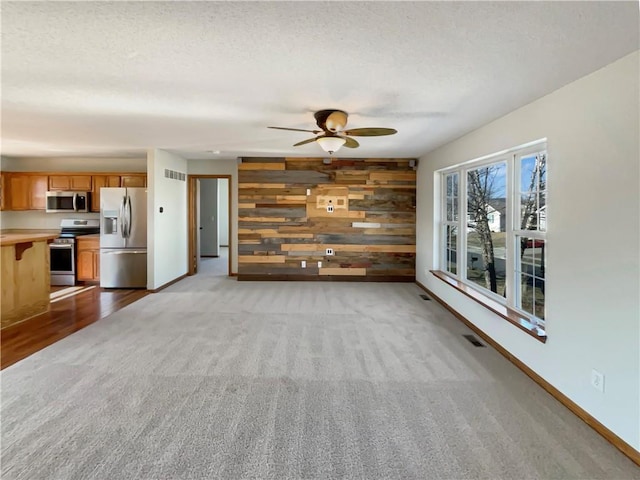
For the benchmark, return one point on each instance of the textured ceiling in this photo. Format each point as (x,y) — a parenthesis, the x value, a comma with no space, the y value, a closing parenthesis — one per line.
(116,78)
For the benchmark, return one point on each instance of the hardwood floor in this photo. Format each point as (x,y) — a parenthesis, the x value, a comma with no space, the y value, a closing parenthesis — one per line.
(69,313)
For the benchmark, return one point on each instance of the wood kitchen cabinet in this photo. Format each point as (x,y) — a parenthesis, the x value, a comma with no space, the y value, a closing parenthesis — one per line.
(77,183)
(26,192)
(3,191)
(133,180)
(88,262)
(99,181)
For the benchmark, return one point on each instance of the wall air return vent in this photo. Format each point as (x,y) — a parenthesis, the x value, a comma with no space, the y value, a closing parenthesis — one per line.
(173,175)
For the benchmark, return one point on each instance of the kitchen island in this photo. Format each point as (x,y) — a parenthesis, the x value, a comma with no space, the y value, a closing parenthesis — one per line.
(25,278)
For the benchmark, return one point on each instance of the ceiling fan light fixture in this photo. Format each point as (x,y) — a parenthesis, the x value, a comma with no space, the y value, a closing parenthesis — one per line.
(331,144)
(336,121)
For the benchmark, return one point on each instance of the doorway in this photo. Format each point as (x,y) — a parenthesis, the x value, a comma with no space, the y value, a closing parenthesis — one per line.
(210,239)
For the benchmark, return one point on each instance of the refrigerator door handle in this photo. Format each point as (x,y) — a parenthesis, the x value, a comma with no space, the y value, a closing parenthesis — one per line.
(122,219)
(129,216)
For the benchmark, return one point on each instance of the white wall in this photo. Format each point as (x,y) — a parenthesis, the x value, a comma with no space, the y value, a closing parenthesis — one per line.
(223,211)
(209,217)
(223,167)
(592,322)
(167,242)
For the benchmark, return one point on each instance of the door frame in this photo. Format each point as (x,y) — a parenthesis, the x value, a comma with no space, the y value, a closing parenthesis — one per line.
(191,193)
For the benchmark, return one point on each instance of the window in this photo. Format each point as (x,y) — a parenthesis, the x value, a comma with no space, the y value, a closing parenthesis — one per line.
(485,241)
(450,224)
(494,211)
(530,233)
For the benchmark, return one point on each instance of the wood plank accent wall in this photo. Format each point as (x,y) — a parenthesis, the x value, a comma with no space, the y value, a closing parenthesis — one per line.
(283,219)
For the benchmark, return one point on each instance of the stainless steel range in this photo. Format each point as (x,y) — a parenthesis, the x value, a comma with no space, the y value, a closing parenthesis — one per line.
(62,250)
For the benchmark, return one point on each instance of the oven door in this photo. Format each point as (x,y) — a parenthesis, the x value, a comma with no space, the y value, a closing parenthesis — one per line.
(62,263)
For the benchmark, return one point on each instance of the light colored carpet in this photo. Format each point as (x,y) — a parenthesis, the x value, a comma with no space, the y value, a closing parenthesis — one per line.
(216,266)
(217,379)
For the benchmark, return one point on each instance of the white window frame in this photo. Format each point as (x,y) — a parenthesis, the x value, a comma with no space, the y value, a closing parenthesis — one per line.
(512,158)
(517,232)
(449,223)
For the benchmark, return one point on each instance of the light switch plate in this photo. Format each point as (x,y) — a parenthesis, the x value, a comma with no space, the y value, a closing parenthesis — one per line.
(597,380)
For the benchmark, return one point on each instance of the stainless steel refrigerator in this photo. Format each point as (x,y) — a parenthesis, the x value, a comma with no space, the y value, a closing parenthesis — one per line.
(123,237)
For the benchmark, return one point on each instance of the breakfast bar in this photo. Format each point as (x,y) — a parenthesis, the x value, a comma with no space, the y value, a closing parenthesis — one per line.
(25,281)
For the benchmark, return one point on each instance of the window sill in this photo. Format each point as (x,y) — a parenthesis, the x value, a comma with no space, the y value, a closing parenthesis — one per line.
(511,316)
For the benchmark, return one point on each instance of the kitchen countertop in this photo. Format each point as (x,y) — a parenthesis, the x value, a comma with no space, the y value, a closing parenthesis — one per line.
(12,237)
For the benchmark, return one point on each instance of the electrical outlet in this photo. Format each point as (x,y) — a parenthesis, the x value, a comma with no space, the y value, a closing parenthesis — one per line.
(308,191)
(329,208)
(319,264)
(303,264)
(597,380)
(329,251)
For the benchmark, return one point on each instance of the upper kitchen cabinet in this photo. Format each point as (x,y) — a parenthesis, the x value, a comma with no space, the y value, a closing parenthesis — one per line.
(98,182)
(78,183)
(3,191)
(133,180)
(26,192)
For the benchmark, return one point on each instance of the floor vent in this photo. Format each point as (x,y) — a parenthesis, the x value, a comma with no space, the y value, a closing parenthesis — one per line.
(473,340)
(424,297)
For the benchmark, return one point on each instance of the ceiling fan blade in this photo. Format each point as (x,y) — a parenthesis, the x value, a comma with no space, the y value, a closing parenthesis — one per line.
(305,142)
(296,129)
(350,142)
(369,132)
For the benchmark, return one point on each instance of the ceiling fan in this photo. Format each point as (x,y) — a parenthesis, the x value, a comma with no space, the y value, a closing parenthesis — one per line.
(334,136)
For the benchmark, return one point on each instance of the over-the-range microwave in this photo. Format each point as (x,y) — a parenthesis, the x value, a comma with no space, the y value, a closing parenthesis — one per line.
(58,202)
